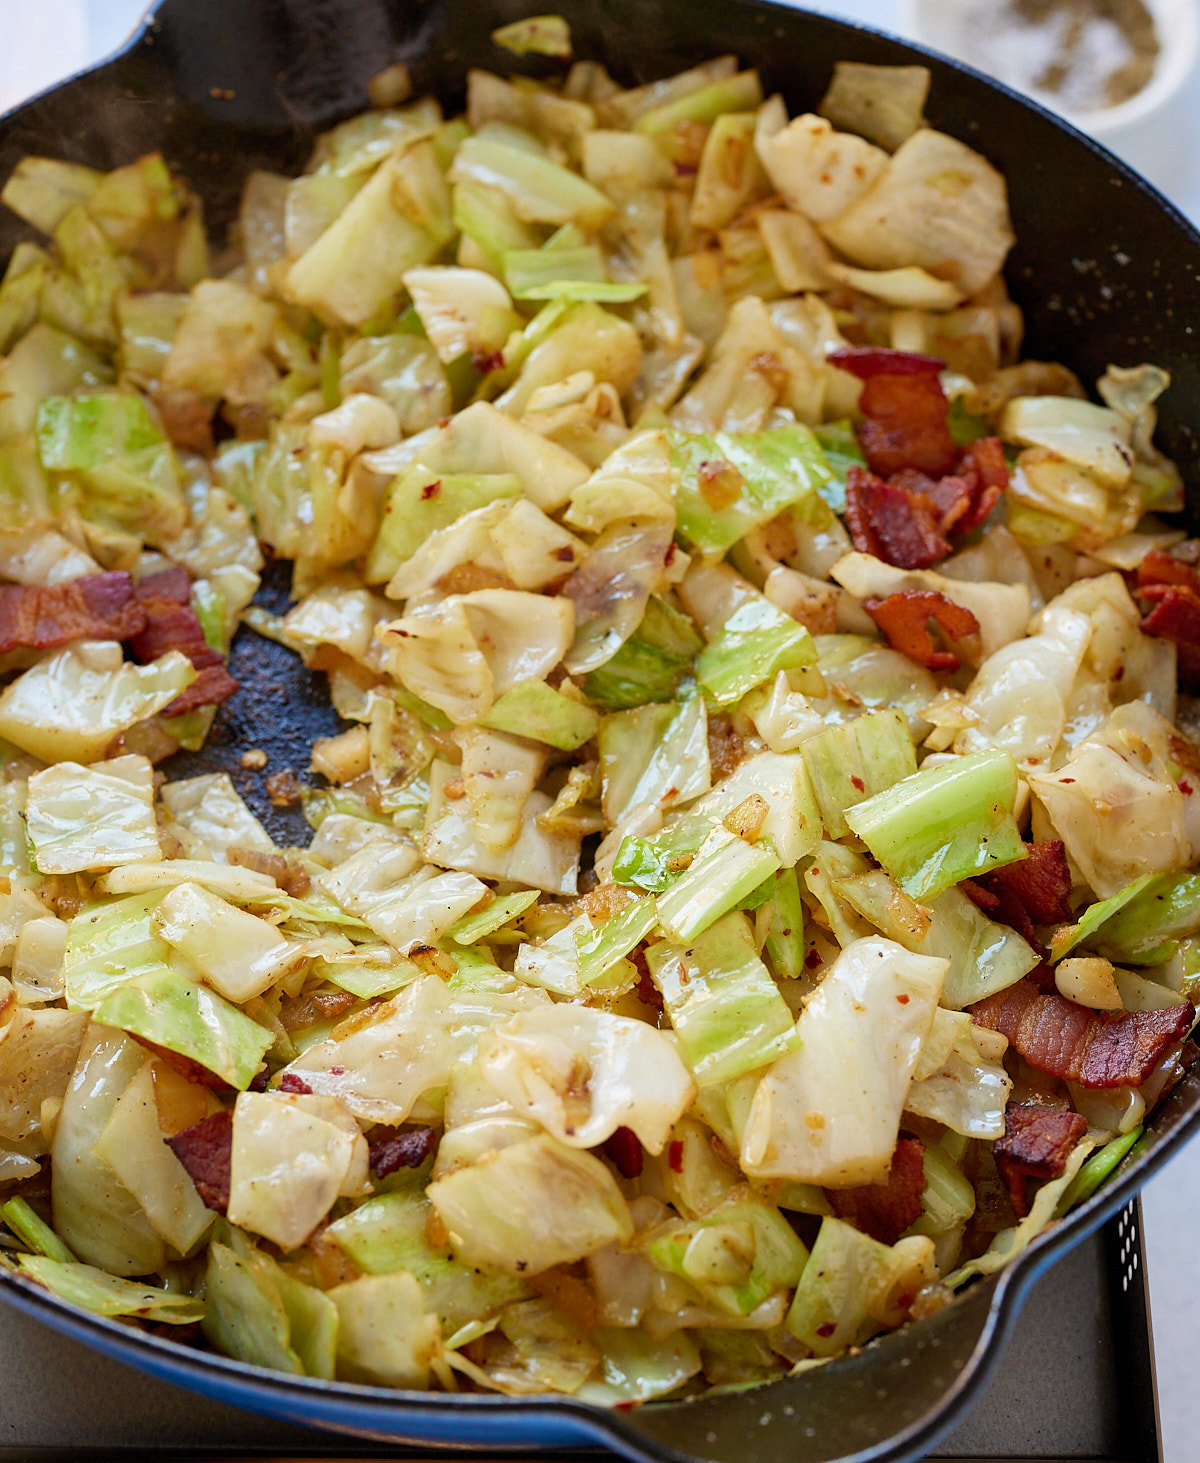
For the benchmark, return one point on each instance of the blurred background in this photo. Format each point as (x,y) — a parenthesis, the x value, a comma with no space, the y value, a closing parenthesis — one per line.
(43,41)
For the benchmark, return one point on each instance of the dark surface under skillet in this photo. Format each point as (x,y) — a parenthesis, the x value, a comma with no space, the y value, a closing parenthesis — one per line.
(1105,270)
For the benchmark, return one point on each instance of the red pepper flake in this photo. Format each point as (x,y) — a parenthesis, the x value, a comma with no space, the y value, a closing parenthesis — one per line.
(675,1156)
(483,363)
(291,1082)
(337,1071)
(431,490)
(903,1000)
(813,960)
(858,783)
(1186,789)
(826,1328)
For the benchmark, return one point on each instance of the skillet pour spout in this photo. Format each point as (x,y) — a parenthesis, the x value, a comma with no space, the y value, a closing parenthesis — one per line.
(1105,271)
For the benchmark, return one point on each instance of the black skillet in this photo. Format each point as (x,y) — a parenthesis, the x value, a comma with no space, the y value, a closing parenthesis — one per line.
(1105,270)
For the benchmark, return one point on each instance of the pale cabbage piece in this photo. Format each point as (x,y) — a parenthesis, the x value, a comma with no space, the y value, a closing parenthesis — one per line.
(1092,436)
(464,311)
(522,636)
(799,255)
(37,962)
(1018,699)
(609,594)
(132,1145)
(407,1047)
(435,655)
(529,1206)
(654,754)
(15,1165)
(541,858)
(290,1162)
(515,539)
(92,817)
(94,1213)
(483,439)
(246,885)
(968,1089)
(782,717)
(554,964)
(819,172)
(385,1335)
(360,423)
(633,482)
(498,772)
(461,654)
(219,345)
(404,900)
(883,103)
(238,954)
(1117,820)
(939,205)
(38,1051)
(828,1113)
(588,339)
(43,556)
(793,820)
(339,616)
(356,265)
(70,706)
(624,163)
(583,1073)
(19,907)
(909,288)
(342,835)
(209,817)
(1003,610)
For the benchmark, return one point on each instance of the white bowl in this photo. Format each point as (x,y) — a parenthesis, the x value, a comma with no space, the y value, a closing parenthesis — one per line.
(947,25)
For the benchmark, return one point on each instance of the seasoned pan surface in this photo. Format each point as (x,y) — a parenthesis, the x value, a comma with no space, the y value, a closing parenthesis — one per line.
(1105,270)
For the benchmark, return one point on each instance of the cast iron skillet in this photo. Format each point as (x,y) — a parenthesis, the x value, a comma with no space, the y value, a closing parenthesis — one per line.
(1106,272)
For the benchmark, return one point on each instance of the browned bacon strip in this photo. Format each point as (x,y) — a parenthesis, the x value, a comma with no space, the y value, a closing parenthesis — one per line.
(892,523)
(1176,616)
(393,1148)
(92,607)
(885,1211)
(1093,1048)
(206,1151)
(1036,1145)
(1035,891)
(172,624)
(904,618)
(983,464)
(905,411)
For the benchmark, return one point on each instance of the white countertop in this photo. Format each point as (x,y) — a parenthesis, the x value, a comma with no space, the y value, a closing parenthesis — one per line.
(45,40)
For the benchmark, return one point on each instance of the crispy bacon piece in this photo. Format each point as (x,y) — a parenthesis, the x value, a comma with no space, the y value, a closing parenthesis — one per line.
(172,624)
(904,618)
(1159,567)
(624,1151)
(949,497)
(983,464)
(885,1211)
(186,1066)
(393,1148)
(1176,616)
(866,362)
(92,607)
(1093,1048)
(1036,1145)
(906,414)
(1035,891)
(206,1150)
(892,523)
